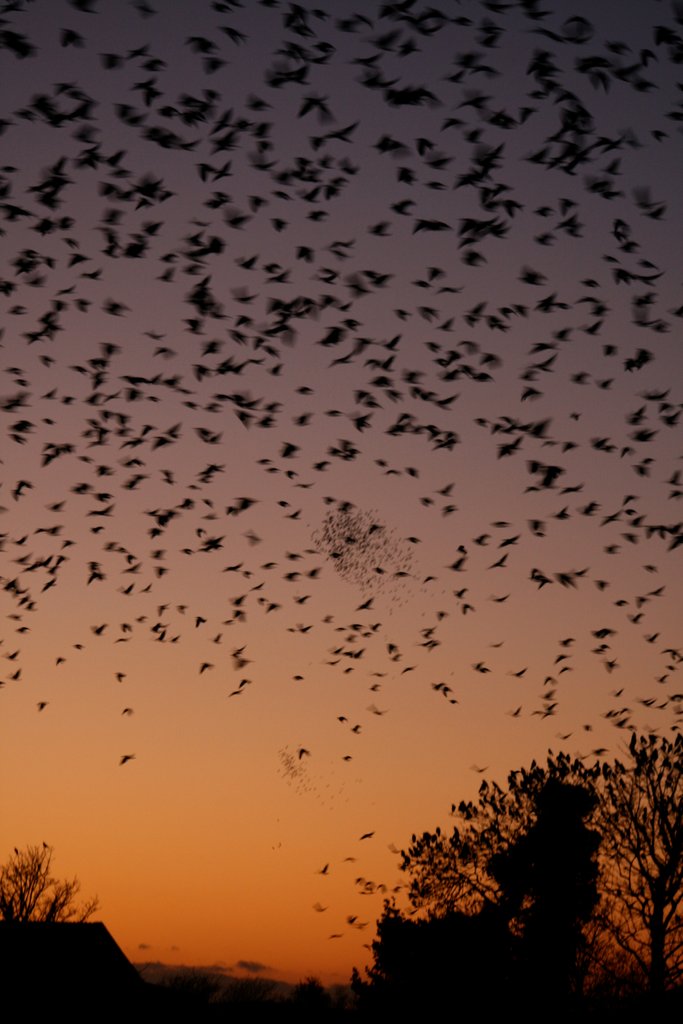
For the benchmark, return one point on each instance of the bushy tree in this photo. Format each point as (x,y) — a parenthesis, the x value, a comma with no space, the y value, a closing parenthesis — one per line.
(311,1000)
(519,884)
(452,872)
(424,963)
(514,849)
(547,882)
(28,892)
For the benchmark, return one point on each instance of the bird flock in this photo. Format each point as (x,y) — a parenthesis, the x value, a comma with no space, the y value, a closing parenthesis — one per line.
(341,370)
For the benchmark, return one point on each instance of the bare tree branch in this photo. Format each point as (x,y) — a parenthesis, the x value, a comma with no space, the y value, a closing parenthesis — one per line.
(28,892)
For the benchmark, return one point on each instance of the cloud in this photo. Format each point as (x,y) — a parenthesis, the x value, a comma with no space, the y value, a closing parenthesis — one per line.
(252,966)
(160,973)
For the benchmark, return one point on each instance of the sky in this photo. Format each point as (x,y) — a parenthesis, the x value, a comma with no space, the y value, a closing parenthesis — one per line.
(341,449)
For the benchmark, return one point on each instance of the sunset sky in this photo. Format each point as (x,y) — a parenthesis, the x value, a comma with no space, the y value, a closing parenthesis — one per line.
(341,441)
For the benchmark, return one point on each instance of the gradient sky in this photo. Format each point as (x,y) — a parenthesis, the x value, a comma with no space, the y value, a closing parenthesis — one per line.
(341,386)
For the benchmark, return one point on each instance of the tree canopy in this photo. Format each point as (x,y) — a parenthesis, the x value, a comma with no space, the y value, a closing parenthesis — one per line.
(580,864)
(452,872)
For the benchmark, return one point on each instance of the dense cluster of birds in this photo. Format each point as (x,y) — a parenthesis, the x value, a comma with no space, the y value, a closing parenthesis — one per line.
(352,325)
(362,550)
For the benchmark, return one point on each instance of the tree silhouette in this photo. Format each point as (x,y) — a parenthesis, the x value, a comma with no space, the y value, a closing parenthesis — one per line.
(511,847)
(547,881)
(524,865)
(424,963)
(311,1000)
(641,809)
(28,892)
(453,872)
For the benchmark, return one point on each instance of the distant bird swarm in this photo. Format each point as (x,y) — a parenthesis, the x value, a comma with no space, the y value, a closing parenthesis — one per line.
(351,339)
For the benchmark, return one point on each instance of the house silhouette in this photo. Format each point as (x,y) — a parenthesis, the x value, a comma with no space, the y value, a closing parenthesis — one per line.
(75,968)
